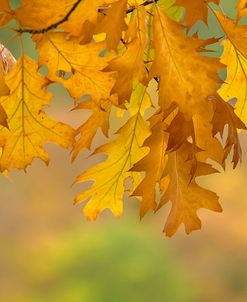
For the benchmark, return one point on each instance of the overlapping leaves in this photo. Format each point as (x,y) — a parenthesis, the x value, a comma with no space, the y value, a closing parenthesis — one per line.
(112,52)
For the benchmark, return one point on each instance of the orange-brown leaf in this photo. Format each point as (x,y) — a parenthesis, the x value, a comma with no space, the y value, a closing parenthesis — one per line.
(153,165)
(185,194)
(195,10)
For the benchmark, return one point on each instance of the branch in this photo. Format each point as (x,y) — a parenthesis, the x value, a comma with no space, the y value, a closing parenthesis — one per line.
(66,17)
(131,9)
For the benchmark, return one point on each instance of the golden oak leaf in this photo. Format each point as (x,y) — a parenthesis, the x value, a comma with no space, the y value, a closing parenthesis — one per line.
(224,115)
(195,10)
(108,177)
(242,8)
(98,119)
(112,23)
(185,194)
(29,127)
(178,64)
(5,12)
(81,63)
(153,165)
(39,14)
(235,58)
(130,65)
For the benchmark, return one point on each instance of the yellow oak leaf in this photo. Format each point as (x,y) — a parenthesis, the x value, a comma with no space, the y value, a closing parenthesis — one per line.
(235,85)
(29,128)
(98,119)
(195,10)
(112,23)
(130,65)
(235,58)
(185,194)
(182,69)
(78,67)
(5,12)
(108,177)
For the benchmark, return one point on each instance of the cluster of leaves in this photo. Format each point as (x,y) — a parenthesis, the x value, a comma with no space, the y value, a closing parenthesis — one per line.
(110,51)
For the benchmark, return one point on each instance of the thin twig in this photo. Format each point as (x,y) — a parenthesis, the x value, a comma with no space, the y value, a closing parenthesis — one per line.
(132,8)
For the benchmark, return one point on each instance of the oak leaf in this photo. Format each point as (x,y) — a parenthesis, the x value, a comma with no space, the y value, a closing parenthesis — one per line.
(185,194)
(98,119)
(195,10)
(224,115)
(153,164)
(178,56)
(235,58)
(130,66)
(78,67)
(29,128)
(122,153)
(112,23)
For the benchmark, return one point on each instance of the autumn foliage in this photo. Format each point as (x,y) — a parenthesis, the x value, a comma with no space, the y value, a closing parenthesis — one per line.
(110,52)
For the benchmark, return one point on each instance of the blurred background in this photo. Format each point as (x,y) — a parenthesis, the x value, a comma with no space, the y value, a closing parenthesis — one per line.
(50,252)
